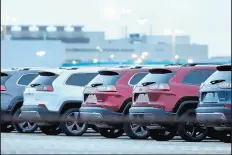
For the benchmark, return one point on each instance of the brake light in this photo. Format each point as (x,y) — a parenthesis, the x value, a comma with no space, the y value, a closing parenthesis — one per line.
(104,106)
(227,105)
(42,105)
(225,85)
(161,86)
(44,88)
(107,88)
(156,106)
(3,88)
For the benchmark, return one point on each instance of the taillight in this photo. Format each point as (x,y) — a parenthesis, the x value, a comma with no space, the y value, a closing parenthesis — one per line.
(104,106)
(107,88)
(156,106)
(3,88)
(225,85)
(41,105)
(161,86)
(227,105)
(44,88)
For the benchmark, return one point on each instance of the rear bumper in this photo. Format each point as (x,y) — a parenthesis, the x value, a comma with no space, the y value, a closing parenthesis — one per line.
(39,115)
(97,115)
(214,116)
(6,116)
(150,115)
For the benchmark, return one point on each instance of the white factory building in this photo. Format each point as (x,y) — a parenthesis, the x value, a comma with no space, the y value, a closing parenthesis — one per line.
(55,45)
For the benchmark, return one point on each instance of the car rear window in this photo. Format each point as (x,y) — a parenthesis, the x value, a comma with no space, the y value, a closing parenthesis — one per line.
(137,77)
(80,79)
(45,78)
(219,75)
(105,78)
(4,78)
(196,77)
(26,79)
(157,78)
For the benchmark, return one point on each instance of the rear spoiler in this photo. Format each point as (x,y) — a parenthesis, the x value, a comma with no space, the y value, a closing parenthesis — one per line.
(44,73)
(160,71)
(224,68)
(4,74)
(106,72)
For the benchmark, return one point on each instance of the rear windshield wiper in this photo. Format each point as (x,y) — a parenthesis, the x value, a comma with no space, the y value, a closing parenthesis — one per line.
(96,84)
(34,85)
(216,81)
(147,83)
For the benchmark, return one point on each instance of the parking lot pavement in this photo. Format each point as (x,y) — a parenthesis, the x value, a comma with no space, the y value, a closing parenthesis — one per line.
(93,143)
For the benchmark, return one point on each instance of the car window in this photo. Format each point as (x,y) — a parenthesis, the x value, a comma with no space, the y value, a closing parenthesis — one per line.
(106,79)
(44,80)
(26,79)
(196,77)
(219,75)
(80,79)
(137,77)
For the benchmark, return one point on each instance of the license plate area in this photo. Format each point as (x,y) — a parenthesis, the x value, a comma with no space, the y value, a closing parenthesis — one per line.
(142,98)
(211,97)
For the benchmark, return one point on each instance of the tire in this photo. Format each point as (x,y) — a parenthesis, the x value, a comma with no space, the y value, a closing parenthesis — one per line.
(188,124)
(72,128)
(51,130)
(225,137)
(135,131)
(7,128)
(162,135)
(23,127)
(110,133)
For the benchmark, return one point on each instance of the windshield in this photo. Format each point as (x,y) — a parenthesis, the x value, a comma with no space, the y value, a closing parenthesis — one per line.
(156,78)
(219,75)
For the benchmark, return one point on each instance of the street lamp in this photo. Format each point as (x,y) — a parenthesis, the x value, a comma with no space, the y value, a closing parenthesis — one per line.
(74,62)
(95,60)
(190,61)
(40,53)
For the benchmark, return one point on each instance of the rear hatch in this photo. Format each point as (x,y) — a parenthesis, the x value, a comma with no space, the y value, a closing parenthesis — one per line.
(102,89)
(5,93)
(216,90)
(153,87)
(41,90)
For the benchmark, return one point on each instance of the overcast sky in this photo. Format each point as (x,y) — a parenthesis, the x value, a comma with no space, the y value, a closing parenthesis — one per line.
(206,21)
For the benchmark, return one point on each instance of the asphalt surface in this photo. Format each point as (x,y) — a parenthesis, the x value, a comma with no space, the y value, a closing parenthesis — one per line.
(93,143)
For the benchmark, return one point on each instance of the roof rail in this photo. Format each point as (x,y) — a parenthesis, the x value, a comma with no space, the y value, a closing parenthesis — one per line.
(194,64)
(125,66)
(177,64)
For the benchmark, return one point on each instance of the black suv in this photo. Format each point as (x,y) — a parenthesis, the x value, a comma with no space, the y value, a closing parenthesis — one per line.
(13,83)
(214,108)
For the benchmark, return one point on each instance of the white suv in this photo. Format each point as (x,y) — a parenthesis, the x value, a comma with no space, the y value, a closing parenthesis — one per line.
(55,96)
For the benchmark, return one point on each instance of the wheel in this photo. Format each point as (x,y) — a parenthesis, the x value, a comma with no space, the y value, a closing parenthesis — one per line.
(23,126)
(225,137)
(135,131)
(7,128)
(51,130)
(111,133)
(72,127)
(162,135)
(190,130)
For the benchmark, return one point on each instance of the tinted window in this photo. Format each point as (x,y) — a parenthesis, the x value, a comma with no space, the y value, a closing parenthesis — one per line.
(157,78)
(44,80)
(80,79)
(136,78)
(220,75)
(105,79)
(27,78)
(196,77)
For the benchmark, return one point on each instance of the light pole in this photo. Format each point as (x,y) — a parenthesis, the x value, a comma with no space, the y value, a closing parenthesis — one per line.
(98,54)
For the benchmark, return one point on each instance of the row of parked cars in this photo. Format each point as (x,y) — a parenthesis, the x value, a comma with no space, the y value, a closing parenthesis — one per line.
(189,100)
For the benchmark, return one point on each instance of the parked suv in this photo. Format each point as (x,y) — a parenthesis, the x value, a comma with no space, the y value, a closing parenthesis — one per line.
(214,108)
(108,97)
(52,98)
(164,100)
(13,83)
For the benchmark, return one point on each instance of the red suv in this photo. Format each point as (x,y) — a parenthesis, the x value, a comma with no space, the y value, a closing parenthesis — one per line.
(165,100)
(108,97)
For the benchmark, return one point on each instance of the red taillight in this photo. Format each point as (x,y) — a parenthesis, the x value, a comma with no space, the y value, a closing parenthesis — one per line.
(104,106)
(44,88)
(3,88)
(227,105)
(161,86)
(225,85)
(42,105)
(156,106)
(107,88)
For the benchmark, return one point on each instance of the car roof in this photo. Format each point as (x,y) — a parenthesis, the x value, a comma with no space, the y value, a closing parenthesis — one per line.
(84,70)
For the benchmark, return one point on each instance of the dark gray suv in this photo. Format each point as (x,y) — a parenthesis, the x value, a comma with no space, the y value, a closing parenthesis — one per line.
(13,83)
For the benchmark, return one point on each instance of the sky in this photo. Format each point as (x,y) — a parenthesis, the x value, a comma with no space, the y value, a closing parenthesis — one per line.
(206,21)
